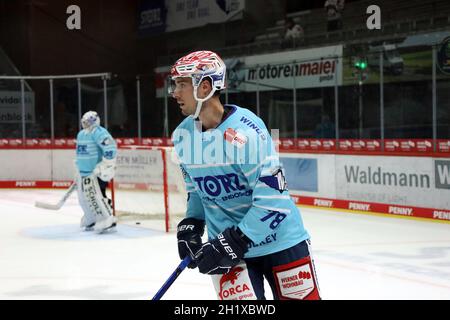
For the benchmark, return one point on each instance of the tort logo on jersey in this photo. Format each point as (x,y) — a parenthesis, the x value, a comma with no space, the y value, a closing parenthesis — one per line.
(213,185)
(82,149)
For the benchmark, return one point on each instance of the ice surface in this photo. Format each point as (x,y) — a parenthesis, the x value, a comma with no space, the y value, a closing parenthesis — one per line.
(44,255)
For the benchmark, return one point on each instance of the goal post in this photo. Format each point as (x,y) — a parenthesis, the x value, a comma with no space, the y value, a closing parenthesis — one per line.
(165,190)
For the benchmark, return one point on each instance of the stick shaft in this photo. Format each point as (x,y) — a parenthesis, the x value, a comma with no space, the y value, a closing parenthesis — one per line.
(172,278)
(60,203)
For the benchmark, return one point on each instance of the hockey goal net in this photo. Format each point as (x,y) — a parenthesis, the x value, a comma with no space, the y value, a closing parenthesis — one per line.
(148,187)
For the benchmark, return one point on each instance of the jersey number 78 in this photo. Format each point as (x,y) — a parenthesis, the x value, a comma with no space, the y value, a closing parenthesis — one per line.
(278,217)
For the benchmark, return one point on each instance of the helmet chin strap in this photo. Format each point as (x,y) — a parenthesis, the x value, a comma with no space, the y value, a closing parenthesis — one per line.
(197,110)
(200,101)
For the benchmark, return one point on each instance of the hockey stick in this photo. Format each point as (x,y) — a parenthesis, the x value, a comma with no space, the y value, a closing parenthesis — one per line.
(57,206)
(172,278)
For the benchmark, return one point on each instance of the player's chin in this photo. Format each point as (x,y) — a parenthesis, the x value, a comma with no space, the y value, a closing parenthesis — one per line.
(184,112)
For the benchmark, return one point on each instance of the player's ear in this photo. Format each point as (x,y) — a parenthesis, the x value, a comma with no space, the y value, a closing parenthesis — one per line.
(205,87)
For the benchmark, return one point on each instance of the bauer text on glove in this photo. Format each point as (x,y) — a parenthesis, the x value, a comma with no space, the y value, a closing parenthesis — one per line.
(221,254)
(189,235)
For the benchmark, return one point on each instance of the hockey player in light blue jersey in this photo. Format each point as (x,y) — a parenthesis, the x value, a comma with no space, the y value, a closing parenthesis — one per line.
(236,188)
(95,159)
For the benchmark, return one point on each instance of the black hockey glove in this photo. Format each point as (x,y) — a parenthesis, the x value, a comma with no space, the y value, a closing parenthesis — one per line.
(189,235)
(221,254)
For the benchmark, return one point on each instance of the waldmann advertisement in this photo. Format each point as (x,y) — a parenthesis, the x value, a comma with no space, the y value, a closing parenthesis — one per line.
(413,181)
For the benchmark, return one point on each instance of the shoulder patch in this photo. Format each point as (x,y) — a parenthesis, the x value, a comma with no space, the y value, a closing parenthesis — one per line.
(235,138)
(276,181)
(106,141)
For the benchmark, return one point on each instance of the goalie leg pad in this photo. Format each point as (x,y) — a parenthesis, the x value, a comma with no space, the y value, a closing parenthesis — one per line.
(88,219)
(98,205)
(234,285)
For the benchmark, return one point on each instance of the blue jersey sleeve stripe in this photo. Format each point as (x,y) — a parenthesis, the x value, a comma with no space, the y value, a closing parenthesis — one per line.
(272,208)
(246,205)
(253,170)
(269,192)
(235,209)
(273,197)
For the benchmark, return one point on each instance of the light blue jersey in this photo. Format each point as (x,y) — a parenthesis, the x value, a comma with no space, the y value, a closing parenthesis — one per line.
(234,178)
(92,147)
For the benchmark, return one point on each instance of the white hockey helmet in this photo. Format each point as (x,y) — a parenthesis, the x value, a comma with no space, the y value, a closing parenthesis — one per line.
(198,66)
(89,120)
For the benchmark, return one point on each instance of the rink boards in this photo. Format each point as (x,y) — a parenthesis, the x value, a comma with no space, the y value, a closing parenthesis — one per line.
(409,186)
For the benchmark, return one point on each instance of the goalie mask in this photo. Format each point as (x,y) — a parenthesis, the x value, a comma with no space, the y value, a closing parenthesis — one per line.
(198,66)
(90,120)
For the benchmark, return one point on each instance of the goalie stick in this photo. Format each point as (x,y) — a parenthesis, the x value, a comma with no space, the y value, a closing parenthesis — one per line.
(57,206)
(172,278)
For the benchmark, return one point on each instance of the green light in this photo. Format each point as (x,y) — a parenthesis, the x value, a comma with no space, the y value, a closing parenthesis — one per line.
(360,64)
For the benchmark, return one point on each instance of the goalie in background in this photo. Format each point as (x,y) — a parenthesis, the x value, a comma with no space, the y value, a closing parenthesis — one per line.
(96,162)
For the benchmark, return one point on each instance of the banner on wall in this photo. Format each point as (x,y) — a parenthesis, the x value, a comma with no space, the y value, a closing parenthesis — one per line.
(159,16)
(11,107)
(308,68)
(301,174)
(403,186)
(413,181)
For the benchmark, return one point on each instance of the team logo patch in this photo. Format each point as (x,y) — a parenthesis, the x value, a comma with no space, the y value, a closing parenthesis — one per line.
(234,285)
(235,138)
(276,181)
(296,280)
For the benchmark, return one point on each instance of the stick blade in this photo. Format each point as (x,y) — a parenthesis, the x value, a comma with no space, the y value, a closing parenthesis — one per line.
(48,206)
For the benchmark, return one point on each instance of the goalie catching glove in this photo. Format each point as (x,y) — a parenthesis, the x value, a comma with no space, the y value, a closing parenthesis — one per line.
(221,254)
(189,235)
(105,169)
